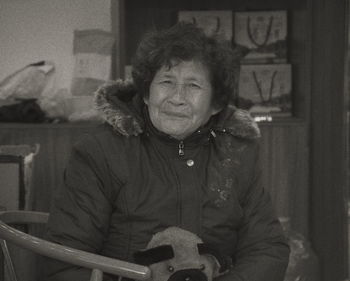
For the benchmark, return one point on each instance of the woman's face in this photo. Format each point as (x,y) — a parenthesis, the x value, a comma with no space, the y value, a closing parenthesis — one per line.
(180,98)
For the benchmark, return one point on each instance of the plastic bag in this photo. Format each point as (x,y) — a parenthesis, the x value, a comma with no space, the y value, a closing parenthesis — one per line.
(83,109)
(56,106)
(93,59)
(28,82)
(303,262)
(92,68)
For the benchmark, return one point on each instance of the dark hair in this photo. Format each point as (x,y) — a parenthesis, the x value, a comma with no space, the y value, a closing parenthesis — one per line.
(184,42)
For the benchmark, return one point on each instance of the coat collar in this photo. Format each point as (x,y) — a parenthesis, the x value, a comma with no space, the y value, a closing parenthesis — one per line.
(120,106)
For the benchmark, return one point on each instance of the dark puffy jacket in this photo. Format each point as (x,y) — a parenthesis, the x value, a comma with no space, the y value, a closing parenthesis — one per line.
(128,181)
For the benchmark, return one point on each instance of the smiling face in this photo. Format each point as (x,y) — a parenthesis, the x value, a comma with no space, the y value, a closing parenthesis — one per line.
(180,98)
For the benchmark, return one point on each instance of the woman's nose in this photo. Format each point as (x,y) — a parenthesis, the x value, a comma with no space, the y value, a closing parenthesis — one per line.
(179,93)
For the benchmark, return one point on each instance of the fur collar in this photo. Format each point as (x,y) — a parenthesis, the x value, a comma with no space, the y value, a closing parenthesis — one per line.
(120,107)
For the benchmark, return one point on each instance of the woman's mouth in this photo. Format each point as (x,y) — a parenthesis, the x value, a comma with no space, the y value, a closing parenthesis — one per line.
(175,114)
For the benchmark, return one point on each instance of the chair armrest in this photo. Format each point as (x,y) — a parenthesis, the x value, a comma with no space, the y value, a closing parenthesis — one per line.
(63,253)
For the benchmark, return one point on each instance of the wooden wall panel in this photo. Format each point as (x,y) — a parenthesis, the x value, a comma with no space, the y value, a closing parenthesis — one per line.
(286,169)
(329,190)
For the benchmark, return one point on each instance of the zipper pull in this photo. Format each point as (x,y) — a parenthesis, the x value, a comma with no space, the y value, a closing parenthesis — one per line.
(181,148)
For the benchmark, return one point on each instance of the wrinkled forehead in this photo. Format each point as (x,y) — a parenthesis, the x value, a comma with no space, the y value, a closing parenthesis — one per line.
(192,69)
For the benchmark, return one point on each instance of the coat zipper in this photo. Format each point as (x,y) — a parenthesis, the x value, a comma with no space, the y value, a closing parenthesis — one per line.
(181,148)
(181,154)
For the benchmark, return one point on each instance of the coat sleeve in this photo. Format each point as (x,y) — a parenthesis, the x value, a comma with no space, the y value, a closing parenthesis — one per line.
(262,251)
(79,217)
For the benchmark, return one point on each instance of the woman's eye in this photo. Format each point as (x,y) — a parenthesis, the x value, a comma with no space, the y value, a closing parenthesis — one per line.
(194,86)
(166,82)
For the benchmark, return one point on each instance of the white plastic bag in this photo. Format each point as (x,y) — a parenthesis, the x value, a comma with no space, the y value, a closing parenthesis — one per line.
(28,82)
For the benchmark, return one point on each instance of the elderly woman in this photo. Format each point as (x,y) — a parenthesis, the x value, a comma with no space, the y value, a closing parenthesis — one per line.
(172,153)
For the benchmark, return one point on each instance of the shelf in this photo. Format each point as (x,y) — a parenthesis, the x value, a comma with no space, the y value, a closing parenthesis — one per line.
(81,124)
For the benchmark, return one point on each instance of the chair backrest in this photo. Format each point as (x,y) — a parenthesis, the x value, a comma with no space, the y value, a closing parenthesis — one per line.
(97,263)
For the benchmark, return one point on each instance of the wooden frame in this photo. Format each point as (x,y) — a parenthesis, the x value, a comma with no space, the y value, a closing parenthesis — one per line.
(328,157)
(117,28)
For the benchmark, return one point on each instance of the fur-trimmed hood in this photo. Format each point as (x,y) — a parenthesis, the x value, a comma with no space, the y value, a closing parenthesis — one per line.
(120,107)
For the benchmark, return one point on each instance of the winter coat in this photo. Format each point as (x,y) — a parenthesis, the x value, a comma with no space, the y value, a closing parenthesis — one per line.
(127,181)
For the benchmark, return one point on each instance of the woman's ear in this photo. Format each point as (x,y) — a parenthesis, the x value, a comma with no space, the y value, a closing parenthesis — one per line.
(145,99)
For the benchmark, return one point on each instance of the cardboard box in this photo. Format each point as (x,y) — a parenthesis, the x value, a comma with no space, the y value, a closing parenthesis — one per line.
(212,22)
(264,34)
(266,89)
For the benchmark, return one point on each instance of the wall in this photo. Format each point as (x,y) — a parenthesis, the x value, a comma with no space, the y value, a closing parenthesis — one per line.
(33,30)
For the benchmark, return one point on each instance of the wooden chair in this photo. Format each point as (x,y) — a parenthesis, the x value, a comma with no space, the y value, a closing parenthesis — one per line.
(97,263)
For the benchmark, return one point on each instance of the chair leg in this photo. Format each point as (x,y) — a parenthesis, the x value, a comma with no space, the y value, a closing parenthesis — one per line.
(96,275)
(8,260)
